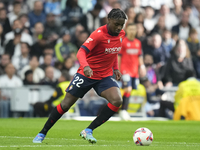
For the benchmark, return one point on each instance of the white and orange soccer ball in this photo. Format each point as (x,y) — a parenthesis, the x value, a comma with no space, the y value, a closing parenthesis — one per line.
(143,137)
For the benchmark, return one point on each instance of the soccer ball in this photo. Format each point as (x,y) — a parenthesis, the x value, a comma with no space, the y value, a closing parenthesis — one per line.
(143,137)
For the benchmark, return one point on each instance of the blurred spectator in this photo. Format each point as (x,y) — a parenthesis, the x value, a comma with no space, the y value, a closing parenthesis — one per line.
(75,33)
(137,8)
(51,29)
(153,97)
(141,35)
(193,20)
(186,89)
(49,78)
(139,18)
(64,48)
(1,40)
(82,37)
(47,61)
(17,30)
(24,7)
(170,19)
(23,59)
(183,28)
(157,50)
(9,80)
(38,48)
(38,73)
(25,23)
(69,66)
(193,42)
(160,26)
(117,4)
(48,50)
(28,80)
(5,60)
(177,65)
(149,21)
(53,7)
(13,15)
(38,31)
(42,109)
(196,63)
(91,20)
(130,15)
(4,21)
(72,14)
(2,5)
(37,15)
(177,10)
(152,74)
(168,42)
(195,6)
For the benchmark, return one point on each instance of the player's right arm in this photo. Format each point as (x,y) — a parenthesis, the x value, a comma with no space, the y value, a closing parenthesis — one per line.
(87,46)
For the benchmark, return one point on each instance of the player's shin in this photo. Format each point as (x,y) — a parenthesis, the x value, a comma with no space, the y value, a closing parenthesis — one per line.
(125,102)
(55,115)
(105,114)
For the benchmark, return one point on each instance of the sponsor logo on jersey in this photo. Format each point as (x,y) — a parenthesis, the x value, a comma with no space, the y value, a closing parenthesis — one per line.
(88,40)
(112,50)
(132,51)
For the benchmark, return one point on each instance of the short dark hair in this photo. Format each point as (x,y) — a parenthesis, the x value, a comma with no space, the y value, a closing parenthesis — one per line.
(117,13)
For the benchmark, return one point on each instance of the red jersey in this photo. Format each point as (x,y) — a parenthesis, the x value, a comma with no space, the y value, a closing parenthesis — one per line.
(130,52)
(102,49)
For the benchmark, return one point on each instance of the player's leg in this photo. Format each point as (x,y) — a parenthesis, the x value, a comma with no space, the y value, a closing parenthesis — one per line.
(55,115)
(107,88)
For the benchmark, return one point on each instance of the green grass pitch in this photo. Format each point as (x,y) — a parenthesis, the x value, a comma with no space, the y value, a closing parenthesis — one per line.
(17,134)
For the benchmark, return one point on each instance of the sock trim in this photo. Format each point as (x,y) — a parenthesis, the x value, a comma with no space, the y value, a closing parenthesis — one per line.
(112,107)
(60,110)
(127,94)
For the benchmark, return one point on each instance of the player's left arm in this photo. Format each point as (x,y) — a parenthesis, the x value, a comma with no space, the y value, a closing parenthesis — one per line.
(142,68)
(116,69)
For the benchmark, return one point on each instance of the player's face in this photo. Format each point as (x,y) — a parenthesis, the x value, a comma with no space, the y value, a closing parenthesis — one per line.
(131,30)
(115,25)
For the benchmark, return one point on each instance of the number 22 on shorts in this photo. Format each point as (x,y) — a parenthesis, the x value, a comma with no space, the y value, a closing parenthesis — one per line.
(77,81)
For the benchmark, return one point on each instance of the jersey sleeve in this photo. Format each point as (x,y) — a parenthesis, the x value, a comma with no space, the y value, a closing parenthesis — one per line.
(92,41)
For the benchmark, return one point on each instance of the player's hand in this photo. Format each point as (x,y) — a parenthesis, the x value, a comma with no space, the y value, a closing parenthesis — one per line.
(118,74)
(88,71)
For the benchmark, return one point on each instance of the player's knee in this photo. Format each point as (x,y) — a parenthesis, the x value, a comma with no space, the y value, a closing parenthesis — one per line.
(117,101)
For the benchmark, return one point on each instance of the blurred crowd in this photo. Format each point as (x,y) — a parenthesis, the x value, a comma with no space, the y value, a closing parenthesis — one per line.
(39,39)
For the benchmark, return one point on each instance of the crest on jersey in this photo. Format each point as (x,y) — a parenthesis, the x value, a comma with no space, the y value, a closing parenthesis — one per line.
(108,40)
(70,87)
(88,40)
(120,38)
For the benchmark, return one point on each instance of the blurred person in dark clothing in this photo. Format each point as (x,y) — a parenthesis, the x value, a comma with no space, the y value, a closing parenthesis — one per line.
(140,35)
(28,80)
(5,59)
(49,78)
(81,38)
(4,21)
(38,31)
(183,28)
(193,42)
(196,63)
(72,14)
(51,29)
(91,20)
(177,65)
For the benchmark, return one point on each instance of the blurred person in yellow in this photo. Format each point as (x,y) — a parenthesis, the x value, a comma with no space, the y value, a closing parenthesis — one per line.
(187,99)
(188,93)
